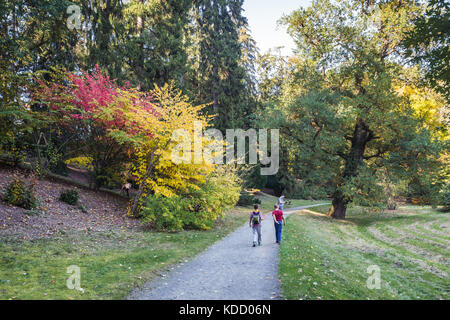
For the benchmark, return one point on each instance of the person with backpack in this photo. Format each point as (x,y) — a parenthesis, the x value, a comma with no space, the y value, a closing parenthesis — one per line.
(255,224)
(278,219)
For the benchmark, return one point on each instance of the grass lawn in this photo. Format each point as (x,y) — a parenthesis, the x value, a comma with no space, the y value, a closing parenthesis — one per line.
(112,263)
(325,259)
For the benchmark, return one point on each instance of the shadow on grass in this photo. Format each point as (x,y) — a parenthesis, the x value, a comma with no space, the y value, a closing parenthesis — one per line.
(360,218)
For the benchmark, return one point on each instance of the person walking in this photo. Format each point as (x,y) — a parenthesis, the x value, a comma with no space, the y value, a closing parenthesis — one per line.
(281,202)
(255,224)
(279,220)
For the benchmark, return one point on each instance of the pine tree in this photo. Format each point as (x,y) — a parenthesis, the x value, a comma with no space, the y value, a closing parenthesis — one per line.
(101,32)
(33,36)
(218,75)
(153,50)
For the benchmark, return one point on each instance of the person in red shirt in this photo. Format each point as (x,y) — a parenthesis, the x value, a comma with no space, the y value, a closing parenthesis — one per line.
(279,220)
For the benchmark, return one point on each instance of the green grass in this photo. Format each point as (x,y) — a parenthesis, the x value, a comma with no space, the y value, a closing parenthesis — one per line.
(322,258)
(112,263)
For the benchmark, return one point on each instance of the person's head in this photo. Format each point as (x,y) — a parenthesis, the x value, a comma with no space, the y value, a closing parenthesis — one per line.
(255,206)
(275,207)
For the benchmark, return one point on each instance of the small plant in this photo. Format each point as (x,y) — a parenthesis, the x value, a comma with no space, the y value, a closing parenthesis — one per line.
(21,195)
(69,196)
(82,208)
(33,212)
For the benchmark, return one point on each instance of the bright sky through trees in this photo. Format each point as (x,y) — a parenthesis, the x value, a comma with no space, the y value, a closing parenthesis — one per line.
(262,18)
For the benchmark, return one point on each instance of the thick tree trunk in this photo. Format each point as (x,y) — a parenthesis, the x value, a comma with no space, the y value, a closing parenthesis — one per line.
(338,208)
(353,161)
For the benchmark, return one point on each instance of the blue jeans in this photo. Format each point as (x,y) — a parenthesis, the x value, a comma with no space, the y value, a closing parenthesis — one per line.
(256,233)
(278,227)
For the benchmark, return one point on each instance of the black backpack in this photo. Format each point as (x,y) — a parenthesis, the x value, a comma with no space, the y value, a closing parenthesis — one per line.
(256,219)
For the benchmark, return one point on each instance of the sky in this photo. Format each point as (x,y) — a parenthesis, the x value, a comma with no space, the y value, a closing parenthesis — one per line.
(262,18)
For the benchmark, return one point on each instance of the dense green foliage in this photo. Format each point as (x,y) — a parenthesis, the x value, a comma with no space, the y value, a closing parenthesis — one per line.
(70,197)
(346,125)
(52,113)
(428,43)
(221,55)
(21,194)
(199,208)
(445,197)
(247,198)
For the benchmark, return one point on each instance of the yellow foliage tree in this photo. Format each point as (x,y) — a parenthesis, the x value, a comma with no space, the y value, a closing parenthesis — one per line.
(428,106)
(154,169)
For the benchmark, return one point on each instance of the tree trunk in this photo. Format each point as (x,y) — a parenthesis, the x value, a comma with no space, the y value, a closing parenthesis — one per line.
(353,161)
(338,207)
(137,201)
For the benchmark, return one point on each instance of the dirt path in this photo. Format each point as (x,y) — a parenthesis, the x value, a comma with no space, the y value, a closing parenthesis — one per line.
(231,269)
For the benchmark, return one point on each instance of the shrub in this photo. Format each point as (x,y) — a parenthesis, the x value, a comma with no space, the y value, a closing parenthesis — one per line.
(444,198)
(21,195)
(81,162)
(196,209)
(164,213)
(82,208)
(246,199)
(69,196)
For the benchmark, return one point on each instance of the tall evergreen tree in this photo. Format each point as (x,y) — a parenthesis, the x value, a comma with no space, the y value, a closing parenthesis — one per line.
(100,33)
(33,36)
(136,41)
(218,73)
(153,50)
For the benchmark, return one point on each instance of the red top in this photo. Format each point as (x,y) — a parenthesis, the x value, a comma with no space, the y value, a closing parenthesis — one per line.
(278,215)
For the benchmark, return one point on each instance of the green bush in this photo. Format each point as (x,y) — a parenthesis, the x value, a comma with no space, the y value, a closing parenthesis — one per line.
(82,208)
(21,195)
(246,199)
(197,209)
(444,198)
(163,213)
(69,196)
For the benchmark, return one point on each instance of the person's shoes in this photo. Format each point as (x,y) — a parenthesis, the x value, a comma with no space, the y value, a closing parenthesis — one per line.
(254,244)
(259,243)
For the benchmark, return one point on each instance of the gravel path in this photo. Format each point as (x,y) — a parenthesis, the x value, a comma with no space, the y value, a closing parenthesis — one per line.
(231,269)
